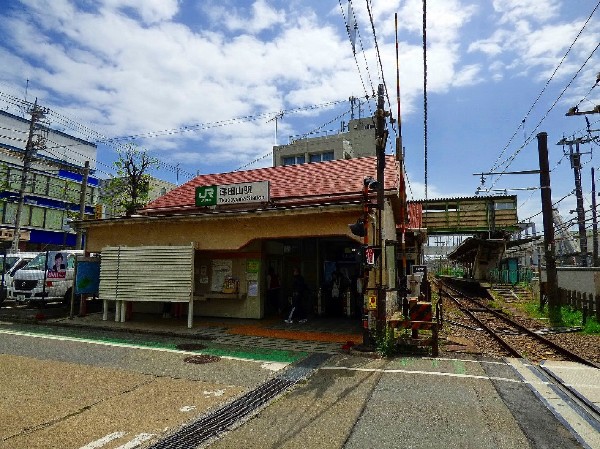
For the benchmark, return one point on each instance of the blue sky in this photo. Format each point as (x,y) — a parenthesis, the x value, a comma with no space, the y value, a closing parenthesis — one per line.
(199,82)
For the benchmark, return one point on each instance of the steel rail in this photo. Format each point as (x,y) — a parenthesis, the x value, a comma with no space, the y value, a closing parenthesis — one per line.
(558,348)
(512,351)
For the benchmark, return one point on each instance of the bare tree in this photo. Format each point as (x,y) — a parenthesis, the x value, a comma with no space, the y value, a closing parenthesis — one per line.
(128,190)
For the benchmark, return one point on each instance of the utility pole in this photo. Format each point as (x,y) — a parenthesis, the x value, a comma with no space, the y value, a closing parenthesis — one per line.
(546,194)
(381,138)
(34,142)
(594,223)
(575,158)
(84,182)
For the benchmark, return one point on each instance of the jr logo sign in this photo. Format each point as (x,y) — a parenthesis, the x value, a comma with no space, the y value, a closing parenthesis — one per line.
(206,196)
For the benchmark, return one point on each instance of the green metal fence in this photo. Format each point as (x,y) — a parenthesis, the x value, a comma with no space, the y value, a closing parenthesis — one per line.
(518,276)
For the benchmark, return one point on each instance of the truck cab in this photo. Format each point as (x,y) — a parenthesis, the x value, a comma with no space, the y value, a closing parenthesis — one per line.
(9,265)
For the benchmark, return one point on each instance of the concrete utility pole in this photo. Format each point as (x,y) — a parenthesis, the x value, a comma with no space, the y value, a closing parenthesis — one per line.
(594,223)
(84,182)
(37,114)
(575,158)
(381,138)
(546,194)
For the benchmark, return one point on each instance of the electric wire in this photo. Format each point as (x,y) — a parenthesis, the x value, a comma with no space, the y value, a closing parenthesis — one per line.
(377,52)
(528,140)
(226,122)
(495,166)
(364,53)
(367,94)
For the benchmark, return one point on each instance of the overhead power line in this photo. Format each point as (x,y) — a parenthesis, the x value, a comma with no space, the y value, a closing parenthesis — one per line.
(496,165)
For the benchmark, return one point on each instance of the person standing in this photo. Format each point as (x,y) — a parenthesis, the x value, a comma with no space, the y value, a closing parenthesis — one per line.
(298,292)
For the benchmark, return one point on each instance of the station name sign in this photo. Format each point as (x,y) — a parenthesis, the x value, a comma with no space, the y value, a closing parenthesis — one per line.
(247,192)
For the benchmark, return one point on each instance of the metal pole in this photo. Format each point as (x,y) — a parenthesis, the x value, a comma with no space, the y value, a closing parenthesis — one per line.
(546,194)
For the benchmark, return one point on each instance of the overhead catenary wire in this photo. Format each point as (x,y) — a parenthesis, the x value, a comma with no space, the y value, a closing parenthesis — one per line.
(377,52)
(509,160)
(367,93)
(495,165)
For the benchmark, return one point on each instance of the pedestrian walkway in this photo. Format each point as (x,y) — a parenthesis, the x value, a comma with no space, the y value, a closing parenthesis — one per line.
(321,335)
(579,380)
(583,381)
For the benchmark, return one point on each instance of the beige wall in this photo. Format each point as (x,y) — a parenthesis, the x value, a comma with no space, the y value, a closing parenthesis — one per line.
(218,233)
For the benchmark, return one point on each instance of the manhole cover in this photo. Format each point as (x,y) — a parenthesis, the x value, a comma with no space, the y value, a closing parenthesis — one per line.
(200,359)
(190,346)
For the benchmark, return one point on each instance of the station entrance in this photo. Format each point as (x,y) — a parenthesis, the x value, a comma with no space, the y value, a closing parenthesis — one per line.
(330,268)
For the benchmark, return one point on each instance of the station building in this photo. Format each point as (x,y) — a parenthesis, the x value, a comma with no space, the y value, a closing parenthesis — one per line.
(210,242)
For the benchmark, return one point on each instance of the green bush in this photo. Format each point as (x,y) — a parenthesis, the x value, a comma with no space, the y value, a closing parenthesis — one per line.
(386,342)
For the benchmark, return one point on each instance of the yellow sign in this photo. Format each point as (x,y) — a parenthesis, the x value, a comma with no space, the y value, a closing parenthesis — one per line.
(98,211)
(372,302)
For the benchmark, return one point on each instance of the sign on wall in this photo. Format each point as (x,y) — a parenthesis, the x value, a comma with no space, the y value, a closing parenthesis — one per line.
(87,279)
(221,270)
(247,192)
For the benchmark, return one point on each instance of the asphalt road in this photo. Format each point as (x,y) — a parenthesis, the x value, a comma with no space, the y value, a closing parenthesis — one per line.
(85,389)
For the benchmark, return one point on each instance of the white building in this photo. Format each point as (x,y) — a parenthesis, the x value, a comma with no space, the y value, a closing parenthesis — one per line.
(53,188)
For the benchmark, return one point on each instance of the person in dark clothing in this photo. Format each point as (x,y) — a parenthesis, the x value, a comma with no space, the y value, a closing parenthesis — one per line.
(298,292)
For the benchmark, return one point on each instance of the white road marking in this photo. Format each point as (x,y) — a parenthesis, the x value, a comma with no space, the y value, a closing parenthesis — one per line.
(274,366)
(139,439)
(430,373)
(187,408)
(104,440)
(264,364)
(214,393)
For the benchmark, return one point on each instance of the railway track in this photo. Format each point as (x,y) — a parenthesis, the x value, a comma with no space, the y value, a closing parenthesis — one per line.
(511,336)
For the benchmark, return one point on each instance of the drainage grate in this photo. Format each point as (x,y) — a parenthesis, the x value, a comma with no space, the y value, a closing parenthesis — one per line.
(202,358)
(225,418)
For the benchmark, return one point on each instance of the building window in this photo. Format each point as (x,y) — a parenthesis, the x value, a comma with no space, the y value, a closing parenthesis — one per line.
(504,205)
(321,157)
(293,160)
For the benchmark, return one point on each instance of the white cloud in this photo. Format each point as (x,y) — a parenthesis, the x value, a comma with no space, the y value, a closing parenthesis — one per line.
(262,17)
(150,11)
(532,10)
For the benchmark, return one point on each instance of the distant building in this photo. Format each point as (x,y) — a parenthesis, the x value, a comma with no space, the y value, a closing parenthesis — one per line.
(53,189)
(357,139)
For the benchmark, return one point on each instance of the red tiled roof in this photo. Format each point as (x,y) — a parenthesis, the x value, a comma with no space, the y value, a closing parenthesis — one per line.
(325,179)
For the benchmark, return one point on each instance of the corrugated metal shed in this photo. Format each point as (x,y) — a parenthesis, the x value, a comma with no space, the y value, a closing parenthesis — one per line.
(147,273)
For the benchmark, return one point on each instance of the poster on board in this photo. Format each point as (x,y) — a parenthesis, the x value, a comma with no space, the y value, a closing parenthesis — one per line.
(221,270)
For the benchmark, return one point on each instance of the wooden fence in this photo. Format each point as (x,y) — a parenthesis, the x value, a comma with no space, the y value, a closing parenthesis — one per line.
(587,303)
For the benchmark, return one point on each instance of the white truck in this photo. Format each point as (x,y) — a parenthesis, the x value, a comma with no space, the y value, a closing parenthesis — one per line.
(9,265)
(49,277)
